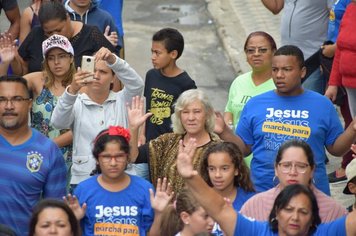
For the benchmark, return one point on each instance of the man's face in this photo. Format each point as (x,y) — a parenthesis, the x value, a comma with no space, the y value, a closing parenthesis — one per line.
(287,75)
(81,3)
(14,106)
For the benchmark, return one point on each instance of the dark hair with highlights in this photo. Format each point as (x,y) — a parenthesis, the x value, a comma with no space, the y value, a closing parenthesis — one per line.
(283,200)
(171,222)
(53,203)
(53,10)
(242,180)
(299,144)
(263,34)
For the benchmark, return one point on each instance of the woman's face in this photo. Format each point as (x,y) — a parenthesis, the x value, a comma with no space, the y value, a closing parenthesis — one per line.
(294,168)
(296,217)
(193,117)
(259,53)
(58,26)
(221,171)
(112,160)
(59,61)
(53,221)
(198,222)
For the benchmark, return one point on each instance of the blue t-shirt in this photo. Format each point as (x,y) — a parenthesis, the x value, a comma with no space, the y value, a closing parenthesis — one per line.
(28,171)
(241,197)
(336,13)
(268,120)
(127,212)
(246,226)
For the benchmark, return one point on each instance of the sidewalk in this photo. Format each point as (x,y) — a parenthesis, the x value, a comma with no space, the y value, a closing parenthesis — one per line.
(235,20)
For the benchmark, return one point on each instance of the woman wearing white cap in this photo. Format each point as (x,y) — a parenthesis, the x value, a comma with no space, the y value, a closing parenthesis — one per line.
(47,85)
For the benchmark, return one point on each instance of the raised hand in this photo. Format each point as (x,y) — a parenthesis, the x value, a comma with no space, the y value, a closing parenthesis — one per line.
(73,203)
(185,158)
(7,48)
(136,112)
(112,37)
(80,79)
(353,148)
(163,196)
(106,55)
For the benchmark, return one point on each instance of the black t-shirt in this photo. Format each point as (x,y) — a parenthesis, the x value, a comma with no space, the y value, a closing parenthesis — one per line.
(161,93)
(86,42)
(7,4)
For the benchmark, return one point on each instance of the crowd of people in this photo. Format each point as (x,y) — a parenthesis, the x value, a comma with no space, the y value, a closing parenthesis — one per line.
(105,152)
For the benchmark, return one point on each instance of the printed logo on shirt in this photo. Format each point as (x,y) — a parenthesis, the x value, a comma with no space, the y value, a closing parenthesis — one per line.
(282,125)
(34,161)
(160,106)
(117,220)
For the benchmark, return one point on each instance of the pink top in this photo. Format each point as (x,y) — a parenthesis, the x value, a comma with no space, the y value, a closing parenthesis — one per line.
(260,205)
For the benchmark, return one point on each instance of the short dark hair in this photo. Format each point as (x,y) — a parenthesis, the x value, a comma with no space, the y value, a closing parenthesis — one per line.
(291,50)
(52,10)
(53,203)
(296,143)
(284,198)
(17,79)
(263,34)
(171,38)
(242,180)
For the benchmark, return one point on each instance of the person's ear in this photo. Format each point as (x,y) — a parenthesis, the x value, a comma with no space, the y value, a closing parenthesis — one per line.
(185,217)
(303,72)
(174,54)
(352,187)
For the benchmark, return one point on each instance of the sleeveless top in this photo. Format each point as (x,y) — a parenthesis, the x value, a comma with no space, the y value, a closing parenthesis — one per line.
(42,108)
(35,20)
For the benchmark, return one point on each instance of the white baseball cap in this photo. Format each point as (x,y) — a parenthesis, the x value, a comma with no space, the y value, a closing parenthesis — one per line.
(350,174)
(57,41)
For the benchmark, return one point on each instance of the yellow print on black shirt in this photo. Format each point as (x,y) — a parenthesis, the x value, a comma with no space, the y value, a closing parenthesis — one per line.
(160,106)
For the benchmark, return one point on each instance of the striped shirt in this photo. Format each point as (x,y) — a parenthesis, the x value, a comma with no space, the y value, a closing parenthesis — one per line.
(28,172)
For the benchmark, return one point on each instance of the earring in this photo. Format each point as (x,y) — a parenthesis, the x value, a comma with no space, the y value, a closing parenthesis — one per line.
(275,183)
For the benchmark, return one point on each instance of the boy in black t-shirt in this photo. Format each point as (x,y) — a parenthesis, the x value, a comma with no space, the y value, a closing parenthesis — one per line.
(165,82)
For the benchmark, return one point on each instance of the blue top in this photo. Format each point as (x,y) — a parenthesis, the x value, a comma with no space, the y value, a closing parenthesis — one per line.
(28,172)
(268,120)
(128,211)
(246,226)
(241,197)
(336,13)
(115,9)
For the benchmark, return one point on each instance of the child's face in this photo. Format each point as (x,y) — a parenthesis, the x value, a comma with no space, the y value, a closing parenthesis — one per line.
(160,57)
(221,171)
(113,160)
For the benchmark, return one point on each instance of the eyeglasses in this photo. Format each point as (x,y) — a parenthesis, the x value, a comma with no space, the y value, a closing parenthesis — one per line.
(251,51)
(286,167)
(121,158)
(13,100)
(59,57)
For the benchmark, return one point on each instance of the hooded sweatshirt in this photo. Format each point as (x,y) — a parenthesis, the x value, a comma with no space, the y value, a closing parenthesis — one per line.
(93,16)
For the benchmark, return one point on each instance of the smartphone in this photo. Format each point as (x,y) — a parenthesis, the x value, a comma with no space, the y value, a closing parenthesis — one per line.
(88,65)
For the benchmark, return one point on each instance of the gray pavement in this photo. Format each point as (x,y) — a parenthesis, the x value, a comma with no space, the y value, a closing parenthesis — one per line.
(234,20)
(213,42)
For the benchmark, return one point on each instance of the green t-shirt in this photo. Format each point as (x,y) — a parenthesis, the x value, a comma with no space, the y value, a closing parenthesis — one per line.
(241,90)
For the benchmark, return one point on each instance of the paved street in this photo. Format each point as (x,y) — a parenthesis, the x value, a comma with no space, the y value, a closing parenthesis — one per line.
(214,31)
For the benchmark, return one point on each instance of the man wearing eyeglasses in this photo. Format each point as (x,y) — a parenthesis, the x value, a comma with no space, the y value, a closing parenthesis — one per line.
(289,112)
(32,166)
